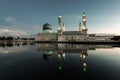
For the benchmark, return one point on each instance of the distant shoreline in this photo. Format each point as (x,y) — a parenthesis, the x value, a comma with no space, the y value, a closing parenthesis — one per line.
(11,41)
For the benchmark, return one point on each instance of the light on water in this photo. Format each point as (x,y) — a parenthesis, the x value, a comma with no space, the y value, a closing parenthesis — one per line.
(84,69)
(84,64)
(60,68)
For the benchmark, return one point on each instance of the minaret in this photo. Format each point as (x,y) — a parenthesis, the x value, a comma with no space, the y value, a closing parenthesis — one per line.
(84,20)
(80,27)
(84,29)
(60,23)
(63,28)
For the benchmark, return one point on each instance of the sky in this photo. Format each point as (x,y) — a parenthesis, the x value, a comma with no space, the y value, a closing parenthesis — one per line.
(28,16)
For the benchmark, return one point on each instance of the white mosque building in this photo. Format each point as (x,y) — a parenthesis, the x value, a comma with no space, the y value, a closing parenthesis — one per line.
(67,36)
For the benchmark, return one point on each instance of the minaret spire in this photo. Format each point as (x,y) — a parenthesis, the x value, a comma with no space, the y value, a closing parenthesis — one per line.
(60,22)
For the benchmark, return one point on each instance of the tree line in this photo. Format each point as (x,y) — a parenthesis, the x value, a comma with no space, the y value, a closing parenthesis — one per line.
(12,38)
(116,38)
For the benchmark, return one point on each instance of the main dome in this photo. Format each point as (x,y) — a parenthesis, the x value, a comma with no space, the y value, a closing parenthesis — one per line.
(47,26)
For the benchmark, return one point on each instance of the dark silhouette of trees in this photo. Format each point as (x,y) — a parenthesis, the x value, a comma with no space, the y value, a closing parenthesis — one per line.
(10,38)
(18,37)
(3,38)
(24,38)
(6,38)
(31,38)
(116,38)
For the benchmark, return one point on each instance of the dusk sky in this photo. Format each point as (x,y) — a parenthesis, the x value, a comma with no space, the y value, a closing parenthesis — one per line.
(28,16)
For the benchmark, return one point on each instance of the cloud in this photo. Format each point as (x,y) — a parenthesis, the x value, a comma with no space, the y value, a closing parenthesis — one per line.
(20,26)
(10,19)
(14,33)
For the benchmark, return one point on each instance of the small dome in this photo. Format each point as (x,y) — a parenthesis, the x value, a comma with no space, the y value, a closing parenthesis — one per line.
(47,26)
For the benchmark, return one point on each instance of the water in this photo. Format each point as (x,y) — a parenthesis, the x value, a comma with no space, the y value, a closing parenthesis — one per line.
(59,62)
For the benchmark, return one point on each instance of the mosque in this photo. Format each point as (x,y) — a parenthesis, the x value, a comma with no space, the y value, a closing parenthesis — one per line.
(67,36)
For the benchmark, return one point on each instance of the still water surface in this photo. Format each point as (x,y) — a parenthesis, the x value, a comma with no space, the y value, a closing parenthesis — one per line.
(59,62)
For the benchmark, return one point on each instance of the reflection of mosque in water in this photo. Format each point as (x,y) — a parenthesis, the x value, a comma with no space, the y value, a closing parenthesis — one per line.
(62,49)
